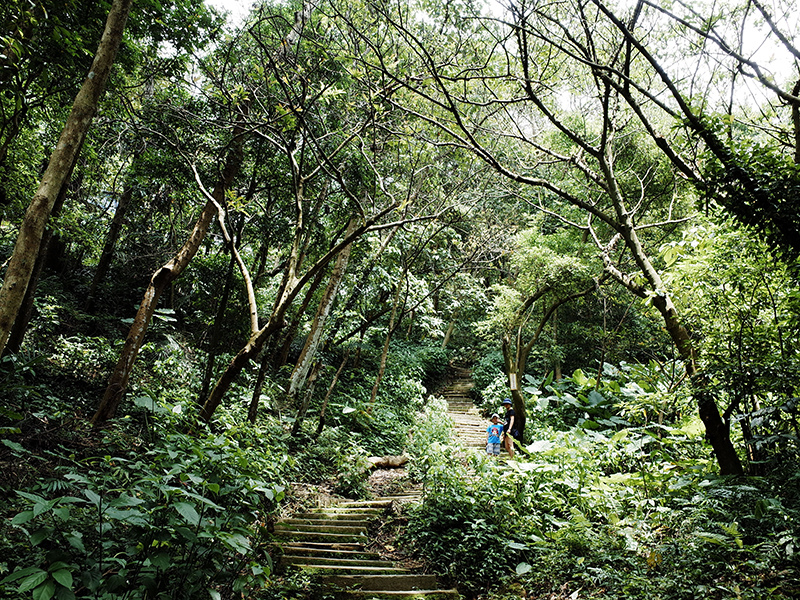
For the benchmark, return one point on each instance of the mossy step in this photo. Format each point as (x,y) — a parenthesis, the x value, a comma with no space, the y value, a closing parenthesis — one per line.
(311,545)
(297,550)
(365,504)
(316,519)
(408,498)
(356,510)
(404,582)
(317,536)
(334,561)
(326,527)
(401,594)
(350,570)
(329,513)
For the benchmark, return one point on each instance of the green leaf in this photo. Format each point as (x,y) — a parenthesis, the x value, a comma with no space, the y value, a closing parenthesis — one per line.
(20,574)
(145,402)
(30,496)
(188,512)
(45,591)
(14,446)
(75,539)
(22,517)
(523,568)
(93,497)
(41,507)
(64,577)
(41,535)
(32,581)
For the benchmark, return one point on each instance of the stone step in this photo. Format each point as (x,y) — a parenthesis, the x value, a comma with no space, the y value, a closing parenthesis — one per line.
(290,559)
(351,570)
(365,504)
(324,528)
(346,513)
(314,536)
(317,519)
(317,546)
(403,594)
(383,582)
(302,550)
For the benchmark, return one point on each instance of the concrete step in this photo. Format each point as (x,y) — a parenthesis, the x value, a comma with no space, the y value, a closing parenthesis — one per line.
(365,504)
(352,570)
(315,536)
(303,527)
(316,519)
(383,582)
(317,546)
(331,552)
(403,595)
(289,559)
(349,513)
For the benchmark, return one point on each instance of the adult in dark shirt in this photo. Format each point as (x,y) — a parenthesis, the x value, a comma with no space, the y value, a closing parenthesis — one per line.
(510,430)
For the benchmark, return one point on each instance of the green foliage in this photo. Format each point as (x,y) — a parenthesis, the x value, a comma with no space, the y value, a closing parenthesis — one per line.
(607,509)
(743,310)
(431,431)
(759,184)
(488,366)
(180,517)
(335,456)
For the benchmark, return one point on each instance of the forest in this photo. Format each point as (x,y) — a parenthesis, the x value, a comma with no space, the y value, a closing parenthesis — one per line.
(242,257)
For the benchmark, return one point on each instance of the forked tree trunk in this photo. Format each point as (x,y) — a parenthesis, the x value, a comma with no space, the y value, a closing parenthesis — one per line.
(160,280)
(252,410)
(324,408)
(62,161)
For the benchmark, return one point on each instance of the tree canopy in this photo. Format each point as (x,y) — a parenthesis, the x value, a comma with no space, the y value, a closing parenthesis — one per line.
(241,258)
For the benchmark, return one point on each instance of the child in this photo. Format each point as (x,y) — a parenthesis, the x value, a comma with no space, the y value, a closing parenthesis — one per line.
(493,433)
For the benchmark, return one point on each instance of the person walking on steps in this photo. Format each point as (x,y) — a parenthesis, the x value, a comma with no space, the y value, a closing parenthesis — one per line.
(493,433)
(510,430)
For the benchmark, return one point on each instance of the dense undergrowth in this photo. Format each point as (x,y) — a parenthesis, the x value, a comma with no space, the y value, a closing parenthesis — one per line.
(614,497)
(157,504)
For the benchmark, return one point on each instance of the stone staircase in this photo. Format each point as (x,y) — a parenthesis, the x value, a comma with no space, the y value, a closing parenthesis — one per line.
(470,427)
(333,542)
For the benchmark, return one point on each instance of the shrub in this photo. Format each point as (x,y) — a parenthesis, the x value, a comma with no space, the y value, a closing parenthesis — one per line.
(176,518)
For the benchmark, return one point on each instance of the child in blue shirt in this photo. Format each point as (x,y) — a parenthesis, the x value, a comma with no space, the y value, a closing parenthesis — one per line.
(493,433)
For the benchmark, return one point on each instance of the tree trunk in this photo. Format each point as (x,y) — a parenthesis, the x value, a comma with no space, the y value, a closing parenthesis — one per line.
(281,356)
(512,369)
(324,407)
(20,267)
(162,278)
(301,412)
(216,331)
(244,356)
(110,244)
(449,332)
(387,341)
(718,430)
(17,334)
(252,410)
(298,377)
